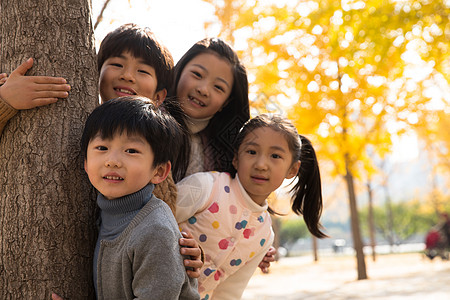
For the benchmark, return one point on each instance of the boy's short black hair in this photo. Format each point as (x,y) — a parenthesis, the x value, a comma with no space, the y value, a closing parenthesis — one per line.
(135,115)
(141,43)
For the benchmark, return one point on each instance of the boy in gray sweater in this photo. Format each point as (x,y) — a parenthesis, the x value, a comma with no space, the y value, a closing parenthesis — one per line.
(129,146)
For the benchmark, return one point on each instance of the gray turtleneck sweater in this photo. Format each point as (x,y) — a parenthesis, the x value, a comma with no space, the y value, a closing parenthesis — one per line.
(137,255)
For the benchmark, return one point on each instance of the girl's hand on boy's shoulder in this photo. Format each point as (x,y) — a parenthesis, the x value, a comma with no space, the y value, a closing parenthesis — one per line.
(189,247)
(25,92)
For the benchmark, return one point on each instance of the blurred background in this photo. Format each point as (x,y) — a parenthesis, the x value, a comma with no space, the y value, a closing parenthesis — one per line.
(368,82)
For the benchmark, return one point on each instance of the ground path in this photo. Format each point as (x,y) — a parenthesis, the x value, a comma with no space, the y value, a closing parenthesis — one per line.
(394,276)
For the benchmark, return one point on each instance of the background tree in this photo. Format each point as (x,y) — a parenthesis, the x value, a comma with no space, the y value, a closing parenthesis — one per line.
(291,231)
(99,18)
(433,129)
(47,204)
(409,218)
(347,68)
(370,218)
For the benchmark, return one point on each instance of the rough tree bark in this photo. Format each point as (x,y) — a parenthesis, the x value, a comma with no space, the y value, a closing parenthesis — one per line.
(47,205)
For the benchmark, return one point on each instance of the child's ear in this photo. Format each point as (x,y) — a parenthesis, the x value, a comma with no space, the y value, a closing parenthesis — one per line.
(161,172)
(293,170)
(159,97)
(235,162)
(85,165)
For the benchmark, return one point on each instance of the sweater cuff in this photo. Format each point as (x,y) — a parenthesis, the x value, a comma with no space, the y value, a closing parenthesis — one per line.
(6,113)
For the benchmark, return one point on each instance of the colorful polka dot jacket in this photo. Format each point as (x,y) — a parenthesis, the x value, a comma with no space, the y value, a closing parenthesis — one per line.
(234,232)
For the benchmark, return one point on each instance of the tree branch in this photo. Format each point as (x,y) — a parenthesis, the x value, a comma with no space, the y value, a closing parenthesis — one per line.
(100,15)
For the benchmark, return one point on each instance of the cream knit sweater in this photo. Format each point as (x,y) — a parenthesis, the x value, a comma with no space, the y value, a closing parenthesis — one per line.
(6,113)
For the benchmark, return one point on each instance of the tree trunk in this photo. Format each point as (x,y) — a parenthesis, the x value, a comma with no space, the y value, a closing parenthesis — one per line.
(389,217)
(371,221)
(47,205)
(276,225)
(356,232)
(315,248)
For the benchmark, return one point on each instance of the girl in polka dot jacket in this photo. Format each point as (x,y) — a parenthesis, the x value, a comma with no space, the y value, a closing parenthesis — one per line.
(228,213)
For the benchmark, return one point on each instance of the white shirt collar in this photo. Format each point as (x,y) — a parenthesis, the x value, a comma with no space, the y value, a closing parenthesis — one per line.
(197,125)
(252,205)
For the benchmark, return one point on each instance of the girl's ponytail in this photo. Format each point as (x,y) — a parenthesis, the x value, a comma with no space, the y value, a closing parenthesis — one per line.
(307,192)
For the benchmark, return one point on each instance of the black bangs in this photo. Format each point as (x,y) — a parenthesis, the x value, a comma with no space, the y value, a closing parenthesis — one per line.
(136,115)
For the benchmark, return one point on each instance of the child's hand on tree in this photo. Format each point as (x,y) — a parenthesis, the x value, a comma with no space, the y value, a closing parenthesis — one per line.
(56,297)
(25,92)
(3,77)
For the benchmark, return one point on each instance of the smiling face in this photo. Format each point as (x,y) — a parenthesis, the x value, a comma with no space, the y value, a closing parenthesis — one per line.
(205,85)
(263,161)
(120,166)
(127,75)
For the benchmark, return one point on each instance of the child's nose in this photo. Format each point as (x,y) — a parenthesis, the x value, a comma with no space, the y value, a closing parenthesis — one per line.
(202,89)
(113,161)
(112,164)
(261,163)
(127,75)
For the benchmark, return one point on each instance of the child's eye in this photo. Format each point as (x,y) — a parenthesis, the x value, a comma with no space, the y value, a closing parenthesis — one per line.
(116,65)
(143,71)
(220,88)
(132,151)
(251,152)
(276,156)
(101,148)
(197,74)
